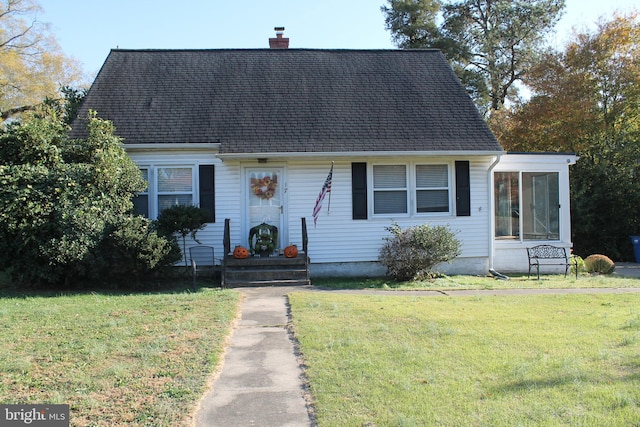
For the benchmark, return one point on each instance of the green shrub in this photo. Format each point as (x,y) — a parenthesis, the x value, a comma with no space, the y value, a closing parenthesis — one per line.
(414,252)
(132,249)
(58,197)
(599,264)
(182,220)
(575,259)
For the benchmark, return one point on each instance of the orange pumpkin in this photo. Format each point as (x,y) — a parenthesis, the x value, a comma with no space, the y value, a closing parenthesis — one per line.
(291,251)
(240,252)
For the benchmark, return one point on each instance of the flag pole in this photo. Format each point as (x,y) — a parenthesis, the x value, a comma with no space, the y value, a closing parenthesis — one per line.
(329,204)
(326,188)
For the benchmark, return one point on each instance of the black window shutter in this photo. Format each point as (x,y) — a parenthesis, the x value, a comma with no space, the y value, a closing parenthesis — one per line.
(359,190)
(463,189)
(207,191)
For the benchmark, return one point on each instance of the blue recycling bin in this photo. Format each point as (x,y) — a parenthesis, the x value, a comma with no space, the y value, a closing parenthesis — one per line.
(636,247)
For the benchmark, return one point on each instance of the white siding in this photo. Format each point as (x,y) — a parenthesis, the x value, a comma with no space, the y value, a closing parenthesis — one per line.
(228,205)
(341,241)
(474,230)
(339,238)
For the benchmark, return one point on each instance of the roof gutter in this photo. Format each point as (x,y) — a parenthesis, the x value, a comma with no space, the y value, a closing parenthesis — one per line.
(337,154)
(179,146)
(492,223)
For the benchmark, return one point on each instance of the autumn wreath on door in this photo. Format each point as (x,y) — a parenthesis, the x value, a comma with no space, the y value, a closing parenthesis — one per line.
(265,187)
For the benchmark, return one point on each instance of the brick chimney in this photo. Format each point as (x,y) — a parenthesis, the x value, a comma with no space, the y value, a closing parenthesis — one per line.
(279,42)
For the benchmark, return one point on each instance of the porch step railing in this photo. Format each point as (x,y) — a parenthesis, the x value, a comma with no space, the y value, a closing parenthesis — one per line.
(264,271)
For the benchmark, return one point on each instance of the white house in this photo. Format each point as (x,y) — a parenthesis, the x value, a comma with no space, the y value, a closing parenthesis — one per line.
(251,134)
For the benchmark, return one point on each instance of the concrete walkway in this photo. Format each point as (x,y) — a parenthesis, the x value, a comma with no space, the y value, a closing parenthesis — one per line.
(627,269)
(262,382)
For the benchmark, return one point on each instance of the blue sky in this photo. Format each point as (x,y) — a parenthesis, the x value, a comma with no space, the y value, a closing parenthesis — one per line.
(89,29)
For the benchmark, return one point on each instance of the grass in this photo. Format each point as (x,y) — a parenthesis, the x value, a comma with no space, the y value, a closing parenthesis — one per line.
(546,360)
(144,359)
(517,281)
(136,359)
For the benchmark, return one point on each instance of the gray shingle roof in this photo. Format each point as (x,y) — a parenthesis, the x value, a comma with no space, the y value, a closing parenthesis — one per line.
(288,100)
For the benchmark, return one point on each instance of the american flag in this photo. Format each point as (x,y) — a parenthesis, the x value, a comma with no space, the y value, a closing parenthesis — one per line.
(326,188)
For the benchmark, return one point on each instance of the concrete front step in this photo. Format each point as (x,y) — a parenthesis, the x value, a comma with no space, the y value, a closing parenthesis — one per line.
(265,262)
(270,274)
(266,271)
(258,283)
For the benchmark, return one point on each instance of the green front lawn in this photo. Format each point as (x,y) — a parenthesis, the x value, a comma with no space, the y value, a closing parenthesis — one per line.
(516,281)
(545,360)
(134,360)
(144,359)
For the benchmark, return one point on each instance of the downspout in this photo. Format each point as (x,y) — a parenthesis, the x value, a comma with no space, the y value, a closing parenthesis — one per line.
(492,224)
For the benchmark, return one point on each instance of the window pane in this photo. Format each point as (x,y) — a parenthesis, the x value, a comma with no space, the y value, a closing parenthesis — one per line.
(541,206)
(141,200)
(430,176)
(507,204)
(173,200)
(389,176)
(433,201)
(174,180)
(390,202)
(141,205)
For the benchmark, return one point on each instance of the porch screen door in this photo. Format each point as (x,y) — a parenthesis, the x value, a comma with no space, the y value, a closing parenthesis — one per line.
(264,198)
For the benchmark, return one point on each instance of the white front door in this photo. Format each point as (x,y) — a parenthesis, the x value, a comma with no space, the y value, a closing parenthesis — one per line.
(265,201)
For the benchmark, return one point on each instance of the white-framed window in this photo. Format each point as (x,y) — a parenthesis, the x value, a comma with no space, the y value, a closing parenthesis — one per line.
(390,189)
(432,188)
(527,205)
(168,185)
(174,186)
(411,189)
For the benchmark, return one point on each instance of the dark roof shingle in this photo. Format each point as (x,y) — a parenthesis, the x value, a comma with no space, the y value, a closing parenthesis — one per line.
(288,100)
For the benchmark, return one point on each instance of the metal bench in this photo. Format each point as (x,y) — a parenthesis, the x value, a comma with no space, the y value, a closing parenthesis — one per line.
(542,255)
